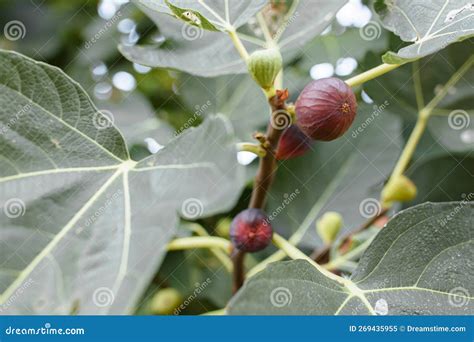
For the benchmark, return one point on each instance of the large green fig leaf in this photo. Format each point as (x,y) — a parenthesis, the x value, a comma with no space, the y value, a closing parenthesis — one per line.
(200,51)
(429,25)
(209,14)
(135,117)
(83,227)
(421,263)
(305,20)
(193,49)
(345,175)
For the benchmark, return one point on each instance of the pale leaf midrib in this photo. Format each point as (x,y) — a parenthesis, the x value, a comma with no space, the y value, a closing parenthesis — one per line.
(58,171)
(62,233)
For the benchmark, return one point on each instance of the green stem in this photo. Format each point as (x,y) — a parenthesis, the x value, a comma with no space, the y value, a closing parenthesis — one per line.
(254,148)
(238,44)
(351,255)
(221,255)
(371,74)
(277,256)
(265,30)
(295,253)
(410,147)
(199,242)
(422,122)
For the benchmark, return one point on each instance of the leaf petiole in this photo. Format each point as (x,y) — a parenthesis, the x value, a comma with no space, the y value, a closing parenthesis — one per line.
(371,74)
(421,123)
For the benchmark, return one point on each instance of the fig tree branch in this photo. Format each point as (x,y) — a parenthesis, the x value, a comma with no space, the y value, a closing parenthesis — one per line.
(422,122)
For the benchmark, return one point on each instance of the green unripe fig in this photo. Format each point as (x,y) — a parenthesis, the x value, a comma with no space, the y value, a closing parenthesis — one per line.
(400,189)
(223,227)
(328,226)
(264,66)
(165,301)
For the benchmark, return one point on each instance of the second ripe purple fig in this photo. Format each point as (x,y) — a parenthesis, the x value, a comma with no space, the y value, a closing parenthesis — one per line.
(326,109)
(293,143)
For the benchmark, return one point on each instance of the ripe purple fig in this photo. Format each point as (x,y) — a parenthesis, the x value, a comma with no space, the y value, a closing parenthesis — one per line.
(251,231)
(326,109)
(293,143)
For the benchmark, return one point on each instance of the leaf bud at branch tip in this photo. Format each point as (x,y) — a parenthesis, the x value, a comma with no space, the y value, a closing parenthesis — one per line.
(400,189)
(328,226)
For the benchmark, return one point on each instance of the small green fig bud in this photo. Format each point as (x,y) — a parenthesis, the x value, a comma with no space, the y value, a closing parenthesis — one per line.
(223,227)
(264,66)
(165,301)
(400,189)
(328,226)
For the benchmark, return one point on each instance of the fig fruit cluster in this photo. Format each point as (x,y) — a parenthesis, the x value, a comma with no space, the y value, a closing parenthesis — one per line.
(250,231)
